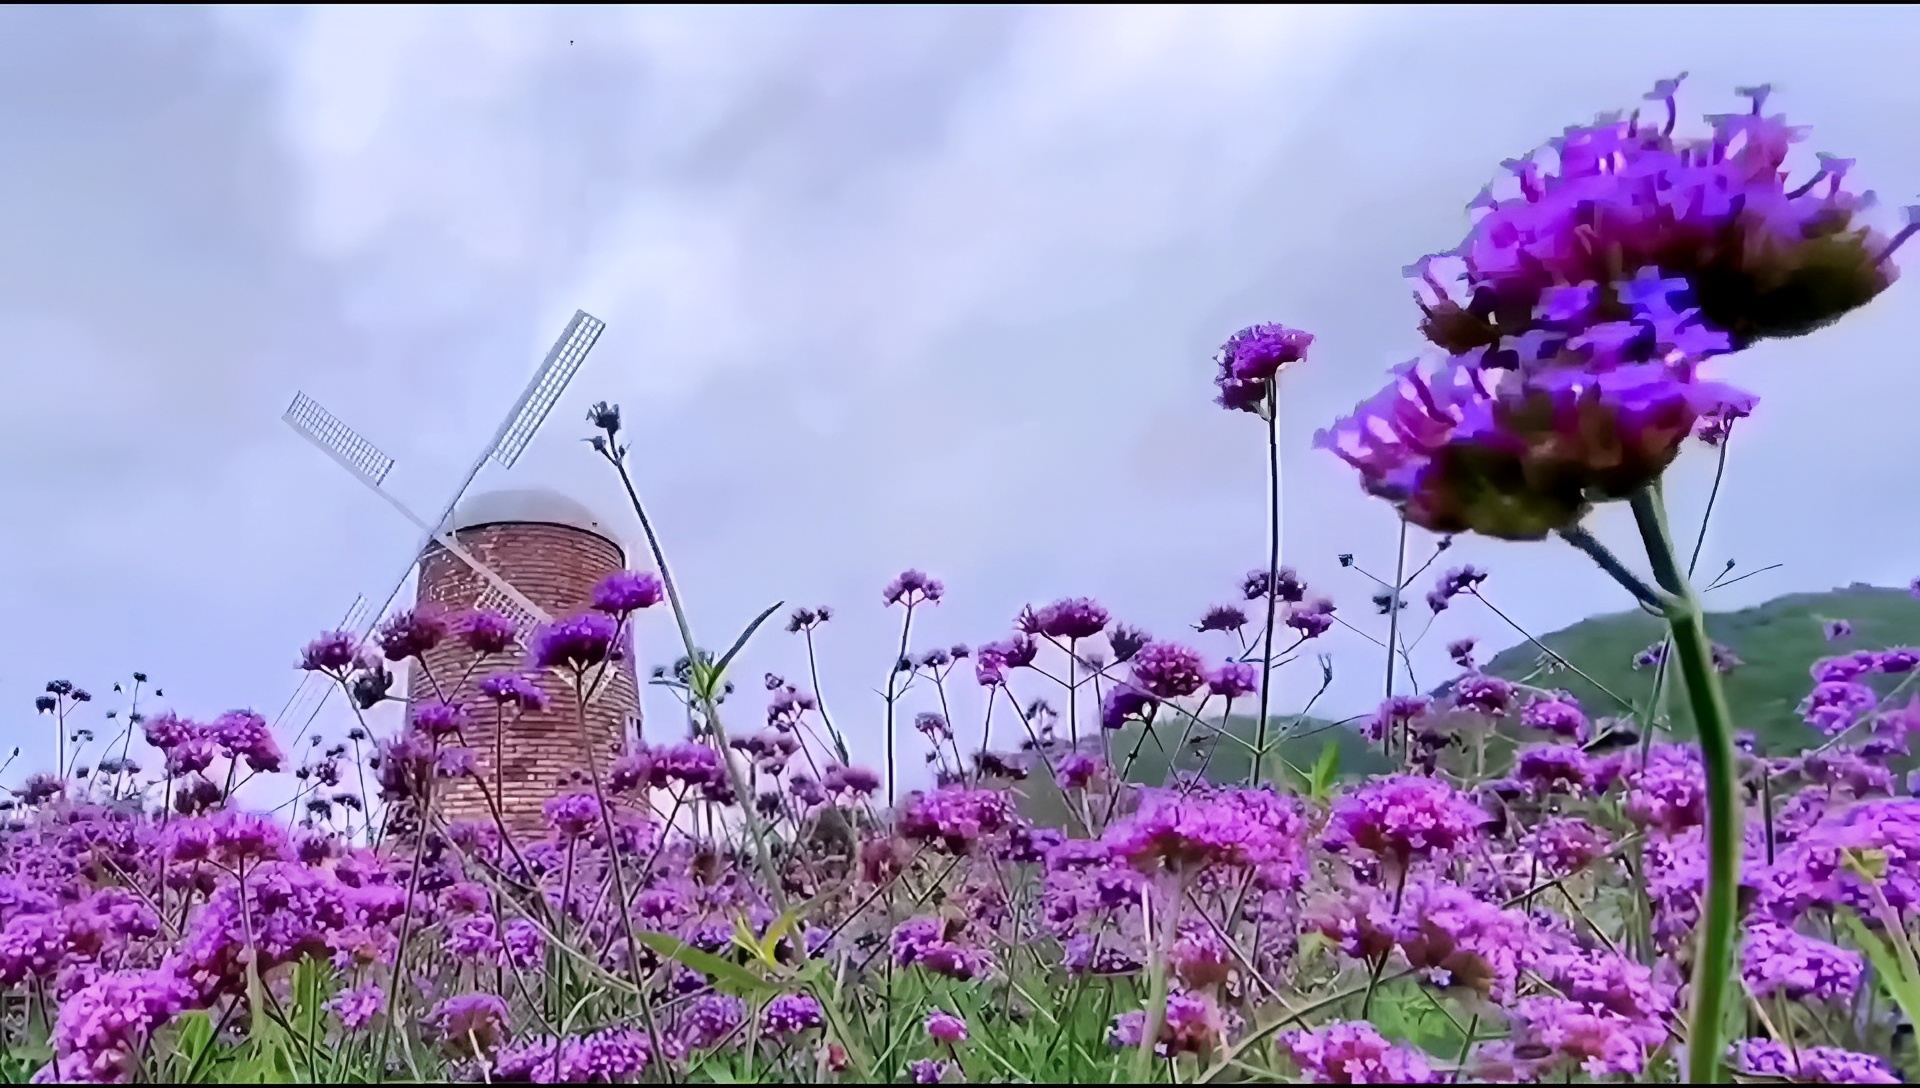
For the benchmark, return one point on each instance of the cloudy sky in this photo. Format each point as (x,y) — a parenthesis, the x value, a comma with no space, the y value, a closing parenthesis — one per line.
(883,288)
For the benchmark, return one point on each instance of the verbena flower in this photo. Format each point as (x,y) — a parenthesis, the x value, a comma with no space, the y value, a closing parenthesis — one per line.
(1775,959)
(487,632)
(1558,713)
(1235,827)
(1808,1064)
(913,587)
(1222,617)
(1251,359)
(626,591)
(332,652)
(1670,792)
(1167,670)
(1353,1052)
(412,633)
(1402,818)
(1234,679)
(578,643)
(1767,256)
(1516,441)
(513,689)
(945,1027)
(791,1014)
(1453,583)
(1071,618)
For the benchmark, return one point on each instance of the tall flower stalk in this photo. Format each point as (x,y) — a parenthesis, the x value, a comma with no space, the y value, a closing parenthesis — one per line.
(1248,379)
(1575,323)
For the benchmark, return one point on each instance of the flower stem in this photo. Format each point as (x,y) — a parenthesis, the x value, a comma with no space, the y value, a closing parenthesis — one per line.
(1713,959)
(1273,576)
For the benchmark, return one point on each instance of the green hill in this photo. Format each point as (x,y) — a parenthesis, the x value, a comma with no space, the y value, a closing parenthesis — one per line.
(1776,641)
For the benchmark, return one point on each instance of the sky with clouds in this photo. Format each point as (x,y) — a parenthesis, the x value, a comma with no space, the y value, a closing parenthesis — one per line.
(884,287)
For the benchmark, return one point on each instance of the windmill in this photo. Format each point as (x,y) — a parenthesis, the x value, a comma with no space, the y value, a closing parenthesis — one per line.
(370,465)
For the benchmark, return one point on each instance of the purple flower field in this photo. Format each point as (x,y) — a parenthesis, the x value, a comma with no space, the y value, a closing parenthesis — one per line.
(1538,891)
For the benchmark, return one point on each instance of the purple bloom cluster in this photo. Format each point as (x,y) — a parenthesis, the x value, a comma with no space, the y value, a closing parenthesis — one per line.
(1402,818)
(1353,1052)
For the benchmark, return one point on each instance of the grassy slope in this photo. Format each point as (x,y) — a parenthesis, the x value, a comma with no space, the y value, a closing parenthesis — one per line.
(1778,640)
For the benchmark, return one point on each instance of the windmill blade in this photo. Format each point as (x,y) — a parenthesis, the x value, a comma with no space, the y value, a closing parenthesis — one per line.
(337,440)
(555,373)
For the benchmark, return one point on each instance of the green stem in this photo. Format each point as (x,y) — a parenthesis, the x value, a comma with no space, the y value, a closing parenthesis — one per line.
(1156,980)
(709,705)
(1273,575)
(1713,959)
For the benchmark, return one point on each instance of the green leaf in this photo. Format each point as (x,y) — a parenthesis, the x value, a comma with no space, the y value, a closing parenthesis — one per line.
(720,667)
(1325,770)
(725,973)
(1903,987)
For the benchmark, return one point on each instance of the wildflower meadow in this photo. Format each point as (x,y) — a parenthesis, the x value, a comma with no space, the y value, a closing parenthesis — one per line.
(1533,888)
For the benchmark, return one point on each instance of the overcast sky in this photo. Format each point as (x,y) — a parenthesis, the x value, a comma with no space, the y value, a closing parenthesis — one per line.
(883,288)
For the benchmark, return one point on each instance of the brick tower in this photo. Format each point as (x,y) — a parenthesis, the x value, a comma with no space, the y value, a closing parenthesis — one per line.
(553,550)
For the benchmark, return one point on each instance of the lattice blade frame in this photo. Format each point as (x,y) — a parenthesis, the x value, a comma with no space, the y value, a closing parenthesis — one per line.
(556,372)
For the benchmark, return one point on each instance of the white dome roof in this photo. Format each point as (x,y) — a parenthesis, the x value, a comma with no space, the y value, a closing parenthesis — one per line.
(529,506)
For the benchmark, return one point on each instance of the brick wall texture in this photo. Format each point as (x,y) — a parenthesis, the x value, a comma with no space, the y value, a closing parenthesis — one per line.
(539,753)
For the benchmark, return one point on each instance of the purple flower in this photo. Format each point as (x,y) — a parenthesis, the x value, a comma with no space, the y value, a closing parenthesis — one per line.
(332,652)
(1077,771)
(1168,670)
(1121,704)
(913,587)
(246,736)
(1550,769)
(1670,792)
(487,632)
(927,1070)
(1518,452)
(1312,618)
(470,1025)
(577,643)
(1403,817)
(1490,695)
(357,1006)
(1453,583)
(412,633)
(572,815)
(1809,1064)
(791,1014)
(513,689)
(1352,1052)
(1775,959)
(946,1028)
(101,1029)
(1394,713)
(1566,844)
(1221,617)
(626,591)
(1557,713)
(438,719)
(955,817)
(1845,667)
(1899,659)
(1461,651)
(1126,641)
(1286,585)
(933,944)
(710,1019)
(1071,618)
(1234,679)
(1629,204)
(608,1056)
(1233,827)
(857,781)
(1832,706)
(1258,352)
(1600,1042)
